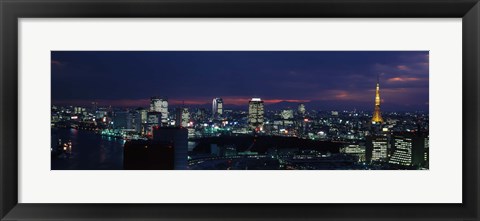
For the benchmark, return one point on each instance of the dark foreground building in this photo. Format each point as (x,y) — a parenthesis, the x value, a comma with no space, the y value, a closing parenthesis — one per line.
(401,150)
(148,155)
(168,150)
(177,136)
(409,149)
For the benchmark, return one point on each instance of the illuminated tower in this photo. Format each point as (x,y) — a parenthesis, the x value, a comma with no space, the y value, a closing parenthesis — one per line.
(255,114)
(377,115)
(217,107)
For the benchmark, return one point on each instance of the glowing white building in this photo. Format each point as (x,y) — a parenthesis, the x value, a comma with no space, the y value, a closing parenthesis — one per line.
(160,106)
(403,151)
(255,113)
(217,107)
(287,114)
(380,148)
(410,150)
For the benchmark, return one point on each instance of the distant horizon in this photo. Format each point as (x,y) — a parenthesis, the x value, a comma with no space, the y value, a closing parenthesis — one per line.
(281,105)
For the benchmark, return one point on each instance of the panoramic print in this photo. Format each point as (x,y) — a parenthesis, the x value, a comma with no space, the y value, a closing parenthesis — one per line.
(239,110)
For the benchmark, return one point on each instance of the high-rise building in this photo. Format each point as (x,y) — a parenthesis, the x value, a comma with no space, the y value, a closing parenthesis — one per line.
(134,121)
(161,106)
(153,120)
(377,148)
(120,119)
(426,154)
(409,149)
(301,109)
(148,155)
(356,150)
(143,114)
(79,110)
(402,154)
(126,120)
(143,119)
(377,115)
(182,117)
(287,114)
(217,107)
(179,138)
(155,104)
(255,113)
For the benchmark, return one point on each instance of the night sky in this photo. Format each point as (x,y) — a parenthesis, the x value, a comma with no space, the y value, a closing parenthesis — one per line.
(323,80)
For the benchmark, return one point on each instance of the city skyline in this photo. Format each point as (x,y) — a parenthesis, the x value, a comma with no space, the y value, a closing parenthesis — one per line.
(321,80)
(240,110)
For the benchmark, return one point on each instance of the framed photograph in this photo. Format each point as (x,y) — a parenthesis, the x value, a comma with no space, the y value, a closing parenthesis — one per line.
(254,110)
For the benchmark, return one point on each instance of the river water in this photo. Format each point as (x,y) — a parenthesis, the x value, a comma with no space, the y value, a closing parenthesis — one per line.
(90,151)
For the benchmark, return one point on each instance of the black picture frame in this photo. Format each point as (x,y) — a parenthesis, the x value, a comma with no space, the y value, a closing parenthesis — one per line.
(12,10)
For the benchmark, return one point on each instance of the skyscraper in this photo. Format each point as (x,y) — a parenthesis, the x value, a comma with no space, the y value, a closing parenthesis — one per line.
(153,120)
(403,151)
(182,117)
(143,114)
(148,155)
(120,119)
(155,104)
(179,138)
(426,154)
(217,107)
(377,115)
(377,148)
(287,114)
(255,114)
(161,106)
(134,121)
(301,109)
(409,149)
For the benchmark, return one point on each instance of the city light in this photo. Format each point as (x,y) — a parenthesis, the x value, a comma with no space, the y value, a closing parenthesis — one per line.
(191,118)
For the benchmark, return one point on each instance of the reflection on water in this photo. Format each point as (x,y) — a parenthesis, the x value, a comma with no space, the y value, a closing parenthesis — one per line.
(88,151)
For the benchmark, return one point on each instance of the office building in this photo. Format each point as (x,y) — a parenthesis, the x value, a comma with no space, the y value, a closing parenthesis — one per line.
(160,106)
(355,150)
(426,154)
(301,109)
(134,121)
(120,119)
(255,114)
(179,137)
(148,155)
(377,148)
(402,153)
(217,107)
(409,149)
(182,117)
(154,119)
(287,114)
(143,115)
